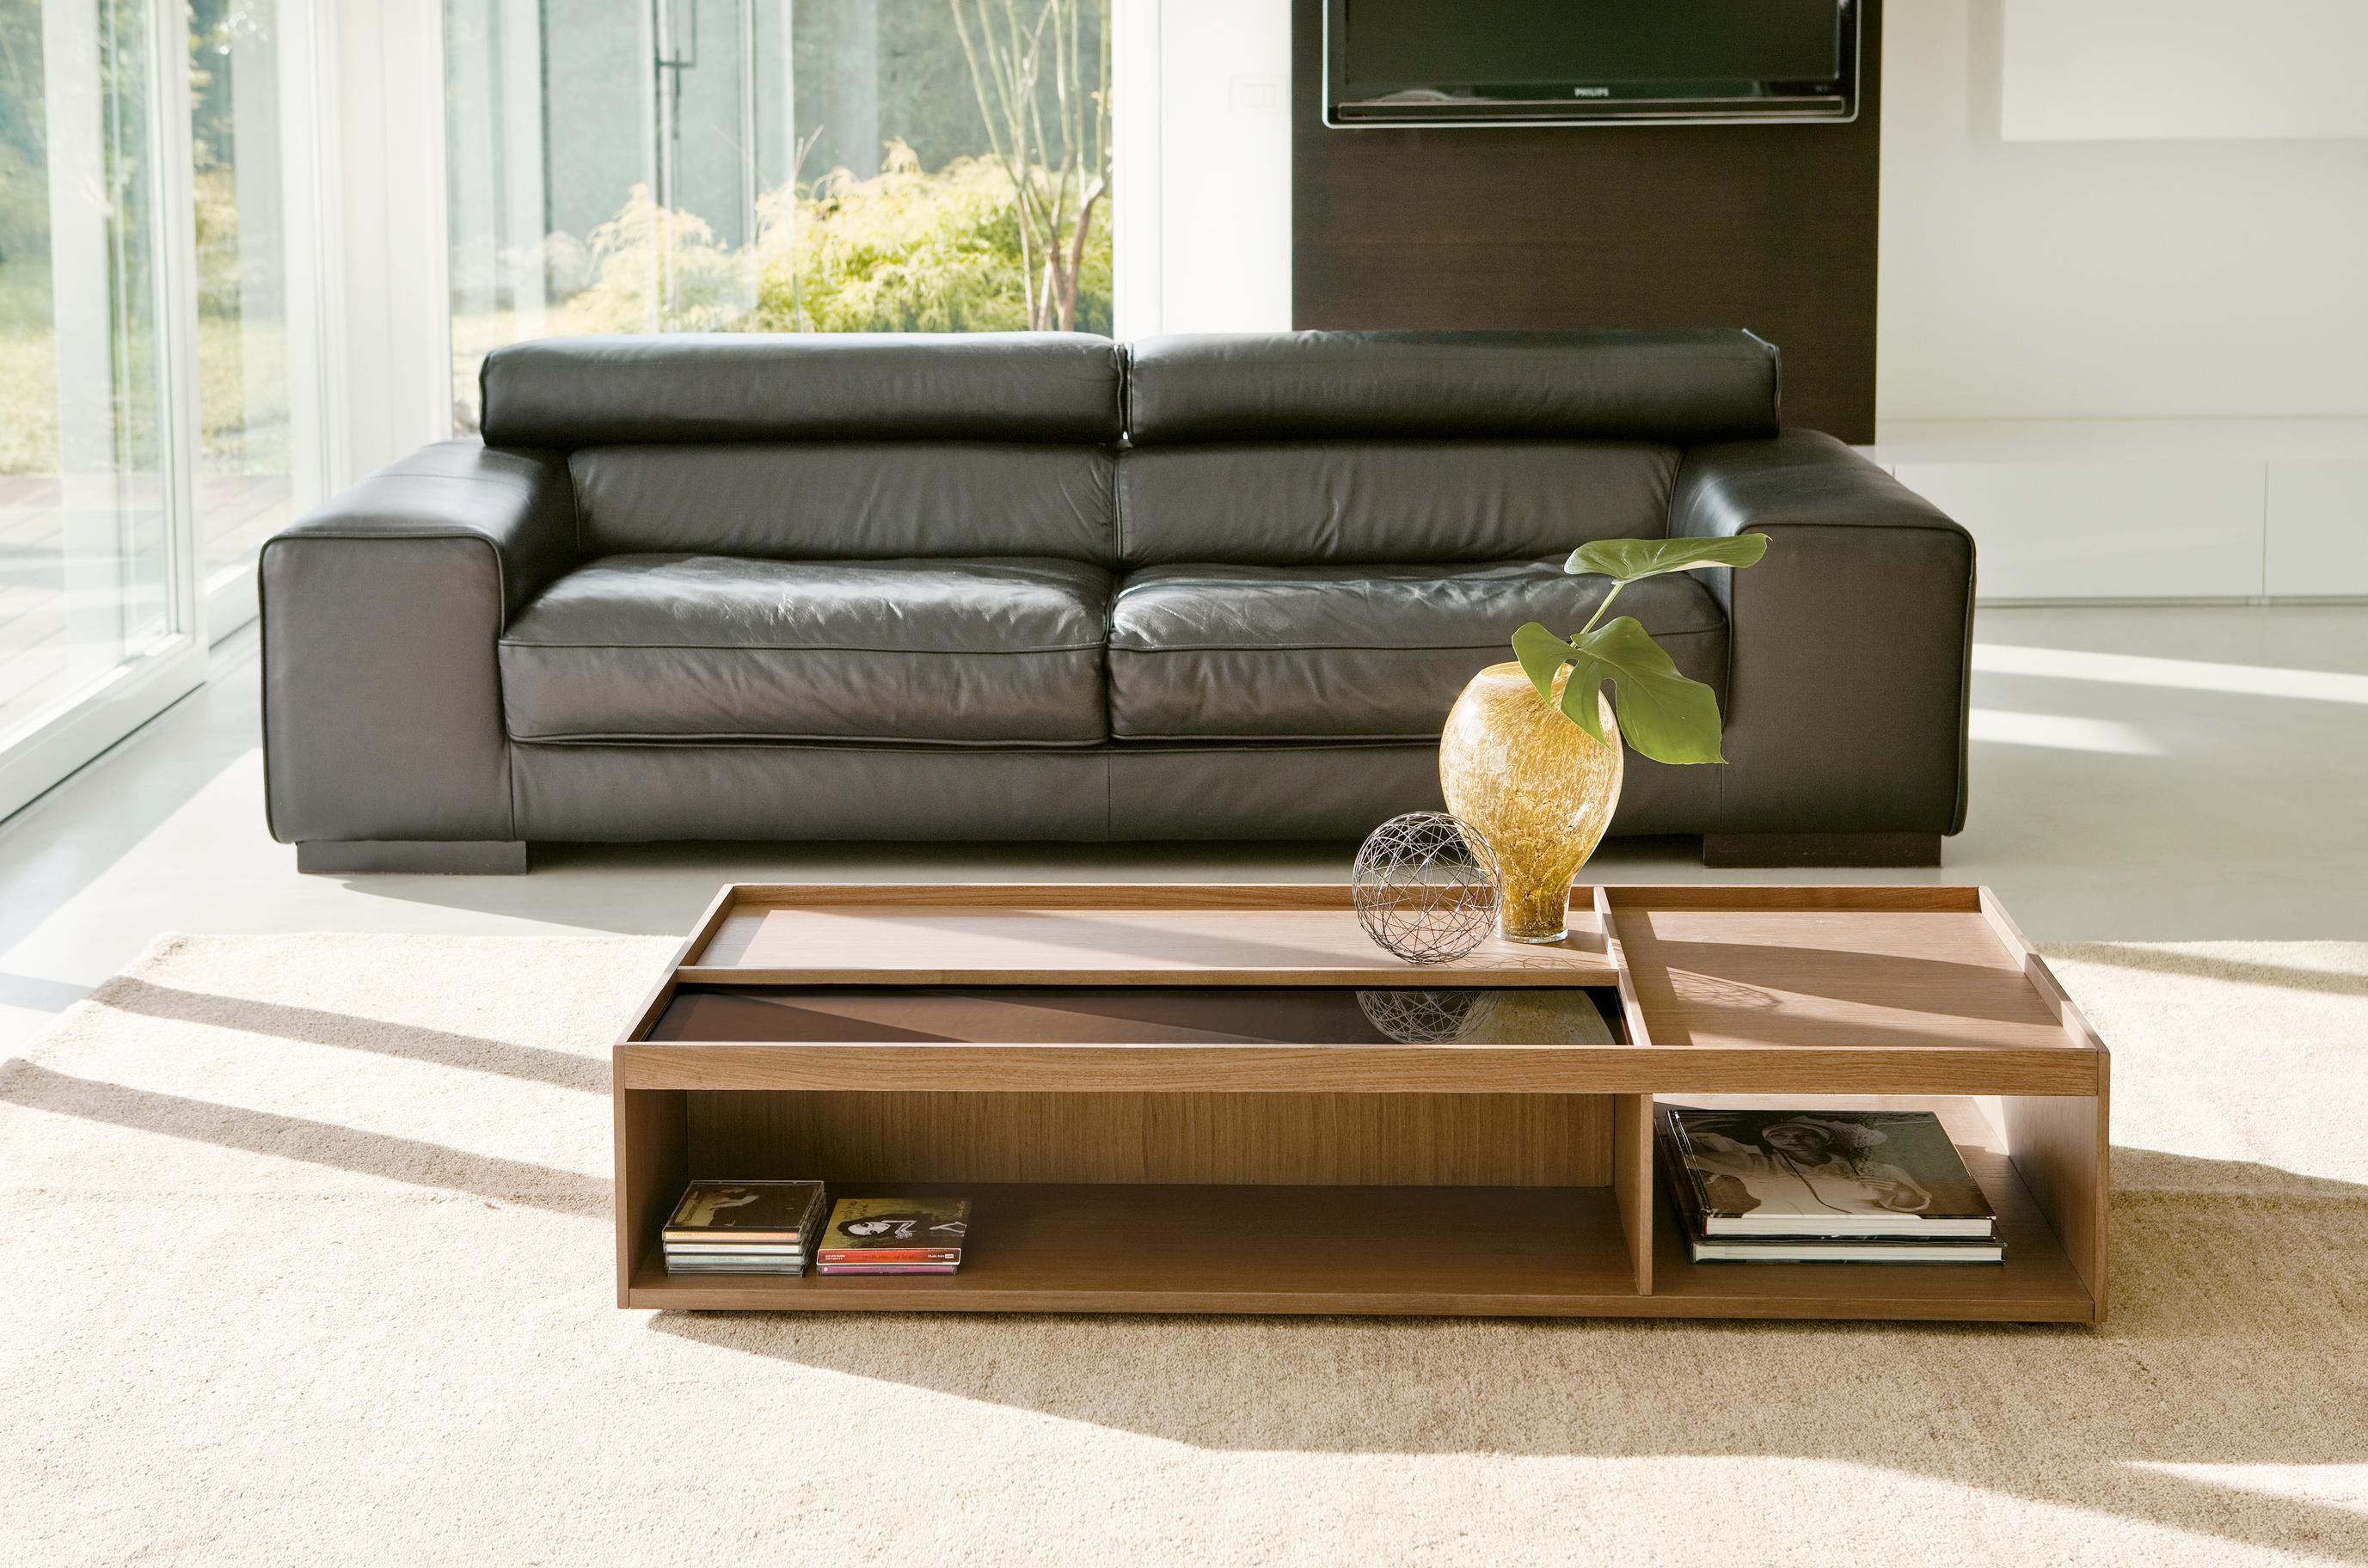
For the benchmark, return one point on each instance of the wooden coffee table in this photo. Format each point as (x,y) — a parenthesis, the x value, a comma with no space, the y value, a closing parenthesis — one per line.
(1173,1099)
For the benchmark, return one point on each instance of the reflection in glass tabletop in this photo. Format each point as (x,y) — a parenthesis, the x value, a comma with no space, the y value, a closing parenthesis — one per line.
(1143,1015)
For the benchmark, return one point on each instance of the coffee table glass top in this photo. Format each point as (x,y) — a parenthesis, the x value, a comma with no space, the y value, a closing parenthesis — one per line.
(1143,1015)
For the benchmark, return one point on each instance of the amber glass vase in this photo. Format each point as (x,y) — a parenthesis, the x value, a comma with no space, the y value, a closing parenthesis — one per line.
(1538,787)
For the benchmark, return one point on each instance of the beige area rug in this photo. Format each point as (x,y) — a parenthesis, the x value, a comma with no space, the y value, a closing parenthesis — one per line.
(307,1261)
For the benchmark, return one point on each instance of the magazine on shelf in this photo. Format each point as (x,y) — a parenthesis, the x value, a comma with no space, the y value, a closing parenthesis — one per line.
(1821,1175)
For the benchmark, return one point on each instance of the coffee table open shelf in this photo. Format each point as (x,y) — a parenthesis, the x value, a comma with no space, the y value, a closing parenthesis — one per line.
(1175,1169)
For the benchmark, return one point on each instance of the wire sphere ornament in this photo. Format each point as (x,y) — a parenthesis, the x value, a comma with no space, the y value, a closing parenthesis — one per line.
(1426,1017)
(1425,887)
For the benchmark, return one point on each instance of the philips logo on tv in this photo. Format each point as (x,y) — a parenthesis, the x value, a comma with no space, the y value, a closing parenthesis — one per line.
(1591,92)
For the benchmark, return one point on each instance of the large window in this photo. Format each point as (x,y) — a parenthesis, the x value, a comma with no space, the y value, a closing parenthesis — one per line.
(87,568)
(169,311)
(248,445)
(774,165)
(152,431)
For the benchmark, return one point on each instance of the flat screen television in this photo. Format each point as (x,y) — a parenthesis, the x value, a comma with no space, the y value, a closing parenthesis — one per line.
(1580,61)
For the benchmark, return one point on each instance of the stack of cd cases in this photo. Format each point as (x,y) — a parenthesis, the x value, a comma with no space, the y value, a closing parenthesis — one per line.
(743,1227)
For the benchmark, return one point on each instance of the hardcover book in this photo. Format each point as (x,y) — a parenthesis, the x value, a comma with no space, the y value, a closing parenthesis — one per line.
(777,1212)
(891,1232)
(1821,1175)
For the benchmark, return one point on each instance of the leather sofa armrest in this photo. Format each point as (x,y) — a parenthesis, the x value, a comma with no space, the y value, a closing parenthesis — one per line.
(1850,644)
(382,610)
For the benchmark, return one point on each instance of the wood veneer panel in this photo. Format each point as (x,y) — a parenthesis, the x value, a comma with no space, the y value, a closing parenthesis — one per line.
(1413,1250)
(652,1164)
(1020,935)
(2061,1145)
(1632,1181)
(1798,992)
(2037,1283)
(1631,1151)
(1253,897)
(1423,1250)
(2061,1148)
(1768,226)
(1292,1140)
(1780,899)
(1890,1067)
(1908,977)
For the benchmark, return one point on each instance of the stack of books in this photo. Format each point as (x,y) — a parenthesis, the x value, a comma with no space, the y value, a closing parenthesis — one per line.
(743,1227)
(895,1236)
(1823,1187)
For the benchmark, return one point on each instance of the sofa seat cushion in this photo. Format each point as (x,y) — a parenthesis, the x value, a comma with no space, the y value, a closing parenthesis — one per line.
(1355,652)
(706,647)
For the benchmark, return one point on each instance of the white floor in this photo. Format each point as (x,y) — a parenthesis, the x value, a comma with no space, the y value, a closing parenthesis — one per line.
(2139,773)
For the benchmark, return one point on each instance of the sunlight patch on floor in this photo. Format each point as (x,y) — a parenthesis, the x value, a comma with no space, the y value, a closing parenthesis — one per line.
(2182,675)
(2062,731)
(2343,1486)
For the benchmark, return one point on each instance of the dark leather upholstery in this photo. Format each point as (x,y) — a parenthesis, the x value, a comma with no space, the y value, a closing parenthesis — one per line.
(1680,386)
(915,588)
(382,708)
(601,392)
(1002,651)
(838,501)
(636,793)
(1363,652)
(1852,640)
(1296,502)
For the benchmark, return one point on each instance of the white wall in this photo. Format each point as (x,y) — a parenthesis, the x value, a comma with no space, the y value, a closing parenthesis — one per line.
(2183,70)
(1217,236)
(2104,279)
(2135,363)
(385,305)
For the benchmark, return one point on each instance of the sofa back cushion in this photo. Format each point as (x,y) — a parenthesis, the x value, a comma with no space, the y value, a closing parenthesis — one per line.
(568,393)
(1341,447)
(1674,386)
(1289,502)
(846,500)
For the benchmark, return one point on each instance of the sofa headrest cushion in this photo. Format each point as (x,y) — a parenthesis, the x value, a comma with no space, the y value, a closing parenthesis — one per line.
(1002,386)
(1680,386)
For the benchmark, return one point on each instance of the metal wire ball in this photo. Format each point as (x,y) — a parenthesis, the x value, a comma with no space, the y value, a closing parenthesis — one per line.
(1426,1017)
(1425,886)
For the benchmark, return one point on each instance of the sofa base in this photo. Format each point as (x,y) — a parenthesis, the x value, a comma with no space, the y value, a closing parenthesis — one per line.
(602,793)
(1757,851)
(365,856)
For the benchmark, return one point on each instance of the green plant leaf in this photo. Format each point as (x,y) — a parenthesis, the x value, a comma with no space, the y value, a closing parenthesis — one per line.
(1626,559)
(1542,655)
(1662,714)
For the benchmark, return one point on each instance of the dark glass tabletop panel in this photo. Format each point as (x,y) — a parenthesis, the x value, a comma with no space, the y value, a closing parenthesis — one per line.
(1143,1015)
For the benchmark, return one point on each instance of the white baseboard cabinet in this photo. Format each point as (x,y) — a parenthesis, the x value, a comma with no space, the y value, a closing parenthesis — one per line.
(2148,509)
(2317,525)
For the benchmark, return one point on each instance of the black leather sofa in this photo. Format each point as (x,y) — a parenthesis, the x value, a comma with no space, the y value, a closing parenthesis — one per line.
(1047,586)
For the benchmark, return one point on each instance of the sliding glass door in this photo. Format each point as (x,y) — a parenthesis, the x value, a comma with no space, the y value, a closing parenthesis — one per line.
(257,444)
(159,381)
(95,579)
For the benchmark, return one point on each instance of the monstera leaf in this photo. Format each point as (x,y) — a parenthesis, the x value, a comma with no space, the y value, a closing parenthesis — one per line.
(1662,714)
(1626,559)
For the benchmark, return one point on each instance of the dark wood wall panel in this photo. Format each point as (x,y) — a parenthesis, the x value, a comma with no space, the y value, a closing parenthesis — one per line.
(1393,1140)
(1769,227)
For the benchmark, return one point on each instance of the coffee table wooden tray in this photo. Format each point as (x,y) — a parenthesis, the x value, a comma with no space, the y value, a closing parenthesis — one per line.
(1170,1167)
